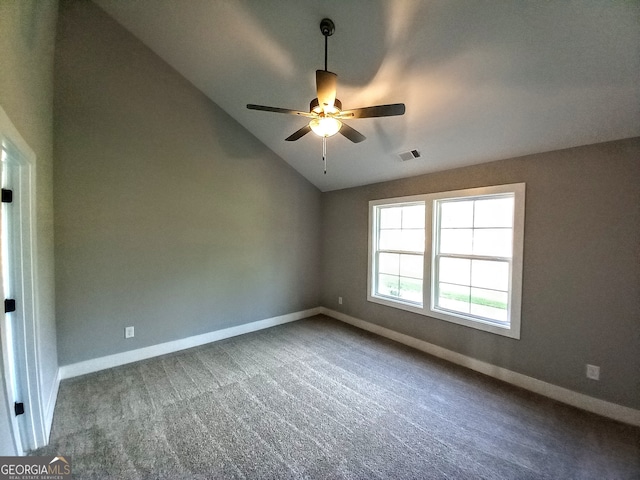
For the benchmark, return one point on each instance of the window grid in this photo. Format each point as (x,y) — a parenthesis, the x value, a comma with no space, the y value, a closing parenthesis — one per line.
(437,294)
(438,256)
(408,288)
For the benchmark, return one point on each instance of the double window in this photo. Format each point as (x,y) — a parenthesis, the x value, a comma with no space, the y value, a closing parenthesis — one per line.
(456,256)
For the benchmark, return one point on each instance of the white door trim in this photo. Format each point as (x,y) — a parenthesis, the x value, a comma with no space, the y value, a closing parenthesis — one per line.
(27,365)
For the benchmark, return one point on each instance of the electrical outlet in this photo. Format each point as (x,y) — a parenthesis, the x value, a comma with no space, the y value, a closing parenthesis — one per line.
(128,332)
(340,300)
(593,372)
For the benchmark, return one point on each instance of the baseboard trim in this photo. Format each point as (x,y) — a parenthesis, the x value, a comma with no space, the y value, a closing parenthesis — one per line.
(50,407)
(561,394)
(110,361)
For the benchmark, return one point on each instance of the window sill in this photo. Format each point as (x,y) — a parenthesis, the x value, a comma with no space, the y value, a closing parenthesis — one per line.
(511,331)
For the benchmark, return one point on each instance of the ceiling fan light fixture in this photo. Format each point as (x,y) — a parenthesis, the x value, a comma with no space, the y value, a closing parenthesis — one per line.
(325,126)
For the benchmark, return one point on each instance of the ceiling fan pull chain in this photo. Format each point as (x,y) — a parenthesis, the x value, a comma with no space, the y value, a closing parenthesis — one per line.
(324,153)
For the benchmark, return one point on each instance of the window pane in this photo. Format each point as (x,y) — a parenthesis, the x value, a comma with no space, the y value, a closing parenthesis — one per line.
(456,214)
(493,242)
(389,239)
(494,212)
(391,217)
(413,216)
(405,240)
(456,241)
(388,285)
(488,274)
(455,270)
(454,297)
(411,289)
(489,304)
(389,263)
(411,266)
(412,240)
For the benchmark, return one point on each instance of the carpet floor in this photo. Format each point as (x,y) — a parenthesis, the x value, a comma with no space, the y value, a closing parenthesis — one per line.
(320,399)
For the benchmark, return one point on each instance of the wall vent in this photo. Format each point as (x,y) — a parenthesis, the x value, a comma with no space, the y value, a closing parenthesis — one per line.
(409,155)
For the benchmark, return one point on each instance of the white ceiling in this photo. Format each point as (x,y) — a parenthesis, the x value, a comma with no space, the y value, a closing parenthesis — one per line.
(481,81)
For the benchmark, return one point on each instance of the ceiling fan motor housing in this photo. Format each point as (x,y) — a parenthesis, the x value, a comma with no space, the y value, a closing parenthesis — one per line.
(314,106)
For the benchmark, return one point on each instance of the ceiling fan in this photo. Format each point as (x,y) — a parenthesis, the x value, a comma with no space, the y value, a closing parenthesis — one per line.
(325,111)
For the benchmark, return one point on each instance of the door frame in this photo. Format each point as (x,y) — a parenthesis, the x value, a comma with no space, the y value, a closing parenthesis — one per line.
(22,164)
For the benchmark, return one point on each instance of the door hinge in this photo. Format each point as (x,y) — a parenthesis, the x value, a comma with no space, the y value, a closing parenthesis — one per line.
(7,195)
(19,408)
(9,305)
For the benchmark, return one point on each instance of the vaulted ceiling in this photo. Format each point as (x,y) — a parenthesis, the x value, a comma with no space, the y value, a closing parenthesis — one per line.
(481,81)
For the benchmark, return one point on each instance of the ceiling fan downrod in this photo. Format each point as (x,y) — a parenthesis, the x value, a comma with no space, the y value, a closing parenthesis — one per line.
(327,27)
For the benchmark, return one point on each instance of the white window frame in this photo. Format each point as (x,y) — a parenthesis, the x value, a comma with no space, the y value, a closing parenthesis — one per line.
(509,329)
(373,250)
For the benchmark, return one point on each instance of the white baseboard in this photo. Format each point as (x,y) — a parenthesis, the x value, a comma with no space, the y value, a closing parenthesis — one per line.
(50,407)
(579,400)
(110,361)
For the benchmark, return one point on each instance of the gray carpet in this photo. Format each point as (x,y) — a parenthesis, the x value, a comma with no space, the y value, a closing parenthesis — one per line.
(319,399)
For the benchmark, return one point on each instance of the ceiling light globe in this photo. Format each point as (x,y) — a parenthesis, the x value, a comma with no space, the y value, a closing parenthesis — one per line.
(325,126)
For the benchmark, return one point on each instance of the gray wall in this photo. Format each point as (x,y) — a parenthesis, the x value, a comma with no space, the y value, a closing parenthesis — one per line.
(172,218)
(27,31)
(169,215)
(581,284)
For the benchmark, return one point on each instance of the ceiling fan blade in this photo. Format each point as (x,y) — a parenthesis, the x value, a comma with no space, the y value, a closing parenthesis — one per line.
(351,133)
(298,134)
(264,108)
(326,84)
(375,111)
